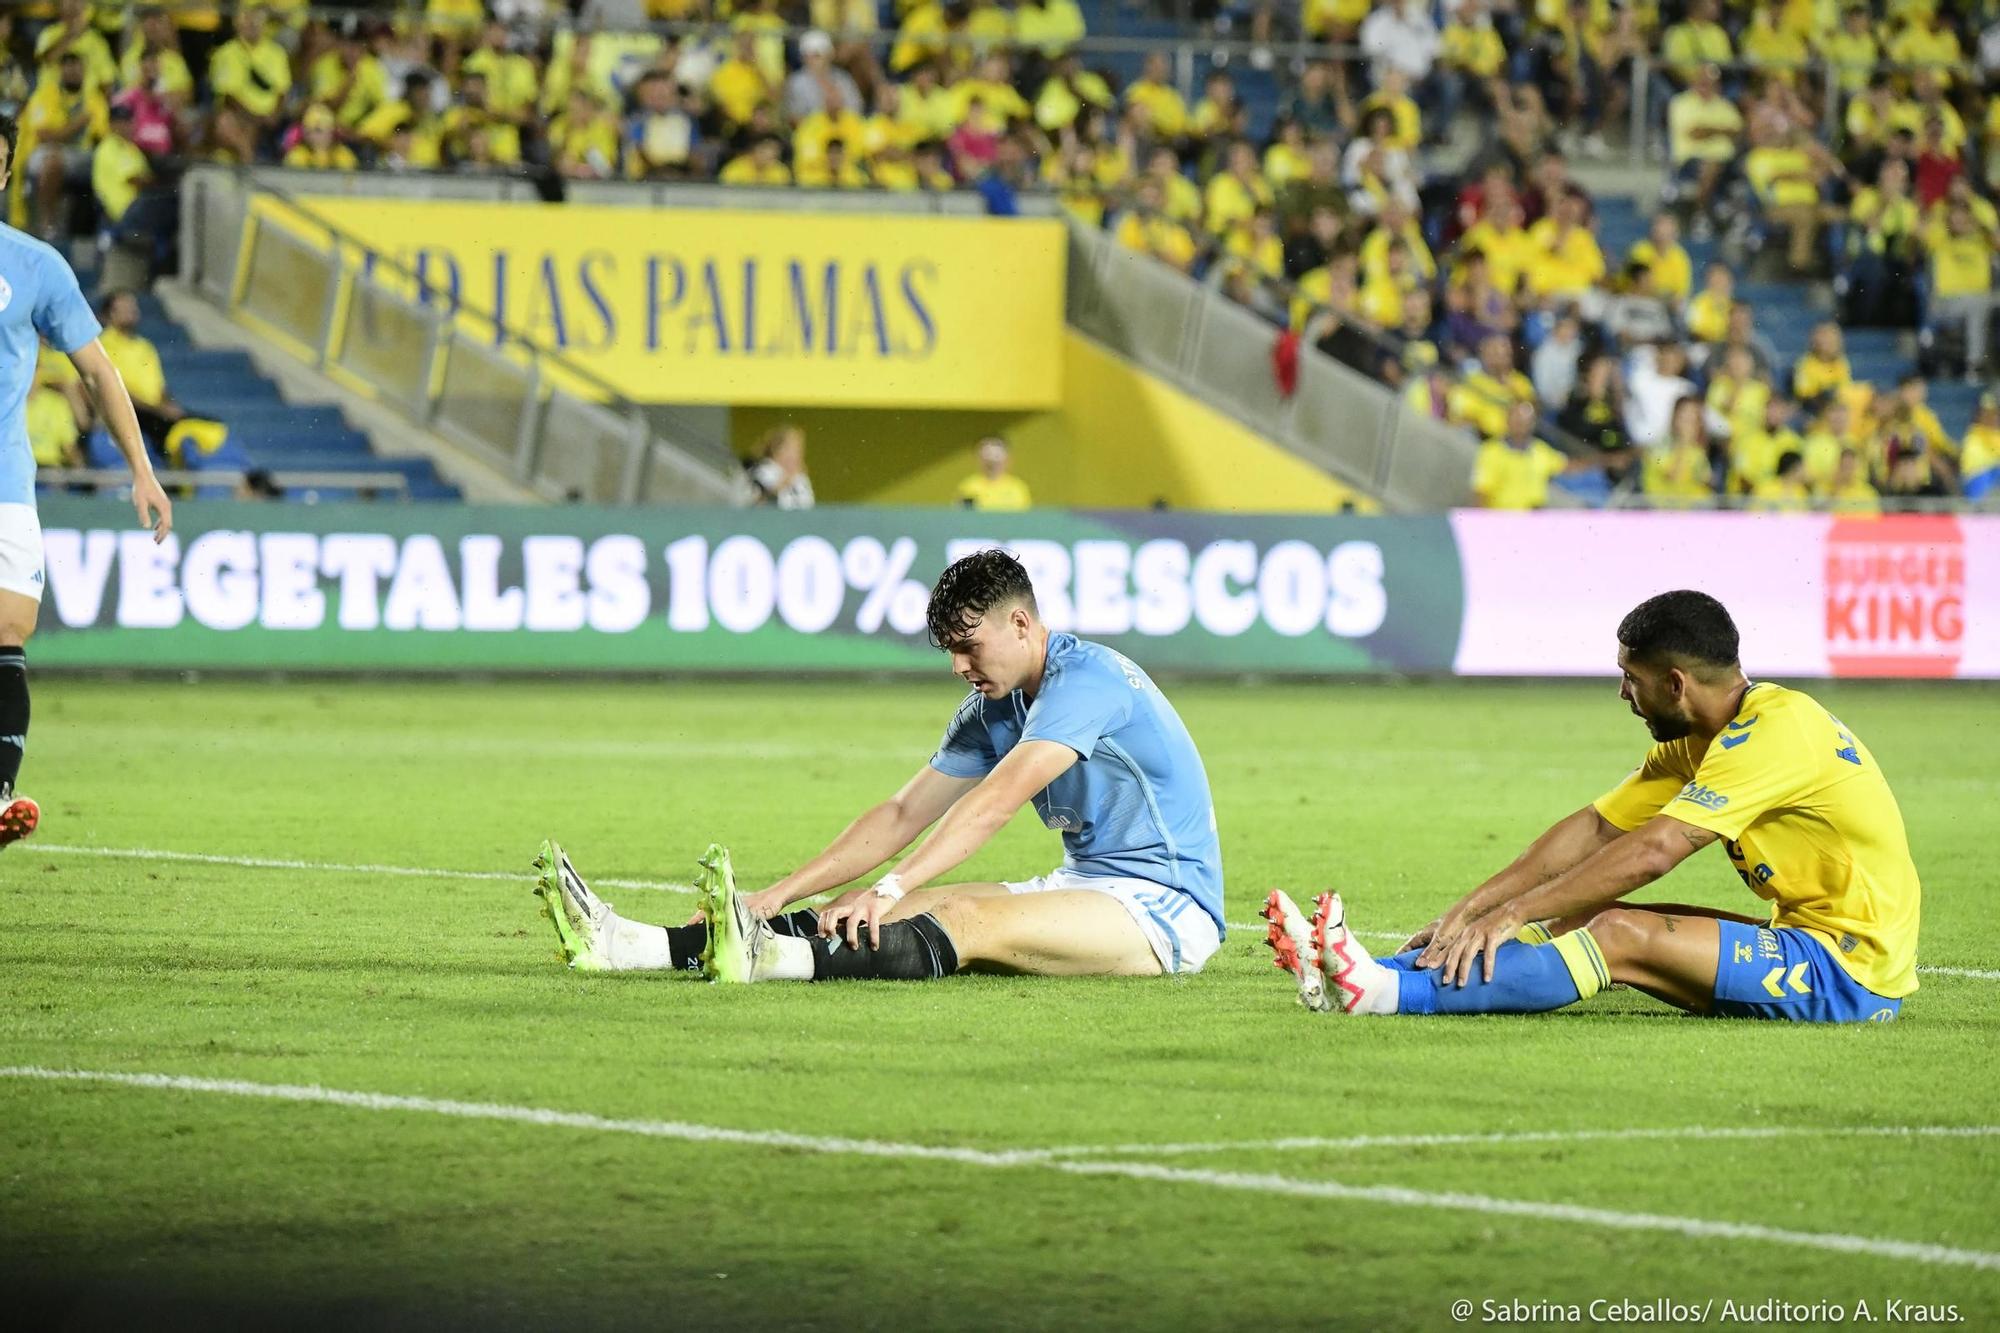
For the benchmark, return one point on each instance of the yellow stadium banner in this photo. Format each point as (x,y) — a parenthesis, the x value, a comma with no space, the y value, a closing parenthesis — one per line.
(698,306)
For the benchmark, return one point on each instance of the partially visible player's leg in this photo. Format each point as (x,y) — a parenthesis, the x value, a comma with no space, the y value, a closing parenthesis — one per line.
(1062,933)
(1672,960)
(20,602)
(1541,932)
(593,937)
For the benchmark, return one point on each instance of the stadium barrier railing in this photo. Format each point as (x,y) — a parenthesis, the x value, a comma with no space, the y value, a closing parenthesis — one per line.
(532,414)
(1198,339)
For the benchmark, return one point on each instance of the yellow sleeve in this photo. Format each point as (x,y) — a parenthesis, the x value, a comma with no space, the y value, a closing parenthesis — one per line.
(1488,470)
(1754,766)
(1647,788)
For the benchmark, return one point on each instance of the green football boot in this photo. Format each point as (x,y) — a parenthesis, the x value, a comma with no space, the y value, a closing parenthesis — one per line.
(734,935)
(580,917)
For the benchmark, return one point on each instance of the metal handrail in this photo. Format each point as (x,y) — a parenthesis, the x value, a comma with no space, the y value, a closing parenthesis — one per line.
(543,364)
(120,478)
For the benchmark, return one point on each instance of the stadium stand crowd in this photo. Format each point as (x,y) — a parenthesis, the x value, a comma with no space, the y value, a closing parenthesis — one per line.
(1847,150)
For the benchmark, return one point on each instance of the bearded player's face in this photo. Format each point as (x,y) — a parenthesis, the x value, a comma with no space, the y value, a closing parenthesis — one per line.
(1657,698)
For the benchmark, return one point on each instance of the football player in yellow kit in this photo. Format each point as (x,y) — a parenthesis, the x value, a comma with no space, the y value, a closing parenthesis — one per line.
(1798,803)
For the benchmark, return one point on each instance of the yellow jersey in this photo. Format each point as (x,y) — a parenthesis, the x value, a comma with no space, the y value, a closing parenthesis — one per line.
(1006,494)
(138,363)
(1508,477)
(1809,823)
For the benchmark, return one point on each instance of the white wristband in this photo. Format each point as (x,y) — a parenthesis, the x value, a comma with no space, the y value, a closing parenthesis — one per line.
(890,886)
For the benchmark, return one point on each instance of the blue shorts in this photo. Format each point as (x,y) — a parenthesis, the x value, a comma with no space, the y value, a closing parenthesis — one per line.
(1783,972)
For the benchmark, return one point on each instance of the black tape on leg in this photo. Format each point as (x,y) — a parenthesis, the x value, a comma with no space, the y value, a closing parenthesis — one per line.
(913,950)
(800,925)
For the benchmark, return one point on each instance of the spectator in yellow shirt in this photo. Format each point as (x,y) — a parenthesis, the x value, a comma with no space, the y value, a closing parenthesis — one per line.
(1678,474)
(350,80)
(1979,456)
(994,489)
(738,85)
(53,436)
(1051,27)
(1704,132)
(1853,51)
(119,170)
(583,141)
(1154,90)
(1707,315)
(174,82)
(1770,49)
(407,133)
(1483,398)
(475,116)
(1962,284)
(762,165)
(318,149)
(1849,491)
(1928,42)
(249,77)
(1513,471)
(60,126)
(1823,370)
(72,34)
(1567,259)
(1393,97)
(1700,40)
(1787,172)
(1786,490)
(1662,255)
(513,88)
(1237,192)
(1146,228)
(832,170)
(138,363)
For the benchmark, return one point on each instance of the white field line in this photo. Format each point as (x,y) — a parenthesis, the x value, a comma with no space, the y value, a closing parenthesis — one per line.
(653,885)
(1692,1227)
(272,863)
(1362,1142)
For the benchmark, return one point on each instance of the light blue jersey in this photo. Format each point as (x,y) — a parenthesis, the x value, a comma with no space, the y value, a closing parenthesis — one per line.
(39,299)
(1136,804)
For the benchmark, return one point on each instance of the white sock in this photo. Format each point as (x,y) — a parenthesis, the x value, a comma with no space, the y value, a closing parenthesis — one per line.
(785,958)
(633,946)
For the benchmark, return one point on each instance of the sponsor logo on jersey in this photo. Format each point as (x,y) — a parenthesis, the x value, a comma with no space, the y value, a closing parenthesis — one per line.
(1705,797)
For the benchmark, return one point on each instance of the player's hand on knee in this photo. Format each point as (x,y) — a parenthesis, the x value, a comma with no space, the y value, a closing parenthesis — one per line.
(1481,942)
(1423,936)
(846,919)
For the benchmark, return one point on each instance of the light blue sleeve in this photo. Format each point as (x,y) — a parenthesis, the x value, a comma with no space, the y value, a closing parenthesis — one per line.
(1078,707)
(61,314)
(966,750)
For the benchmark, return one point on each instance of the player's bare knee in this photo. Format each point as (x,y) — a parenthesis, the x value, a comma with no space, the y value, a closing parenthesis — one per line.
(15,629)
(1622,936)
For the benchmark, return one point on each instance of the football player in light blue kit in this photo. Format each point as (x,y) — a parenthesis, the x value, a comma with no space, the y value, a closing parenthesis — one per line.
(1067,725)
(39,299)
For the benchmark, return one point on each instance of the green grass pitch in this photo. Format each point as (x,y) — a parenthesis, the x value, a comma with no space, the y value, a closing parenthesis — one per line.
(121,1198)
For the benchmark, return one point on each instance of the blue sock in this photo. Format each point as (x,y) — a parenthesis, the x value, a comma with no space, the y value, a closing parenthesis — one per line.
(1405,961)
(1527,979)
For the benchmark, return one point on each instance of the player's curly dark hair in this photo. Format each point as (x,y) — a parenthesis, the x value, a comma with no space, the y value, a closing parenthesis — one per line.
(1680,627)
(971,587)
(10,135)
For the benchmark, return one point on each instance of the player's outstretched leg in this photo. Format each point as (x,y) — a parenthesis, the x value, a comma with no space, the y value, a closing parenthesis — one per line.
(738,947)
(1527,978)
(1290,936)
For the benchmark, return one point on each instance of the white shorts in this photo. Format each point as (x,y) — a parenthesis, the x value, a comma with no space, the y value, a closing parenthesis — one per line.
(21,551)
(1182,935)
